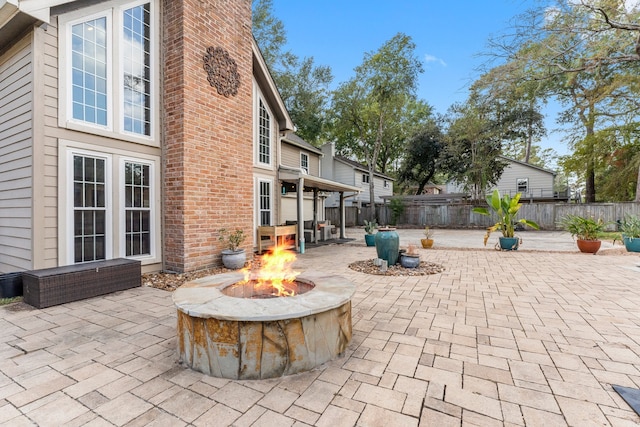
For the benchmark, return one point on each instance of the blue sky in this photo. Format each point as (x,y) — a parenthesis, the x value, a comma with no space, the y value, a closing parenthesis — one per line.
(449,36)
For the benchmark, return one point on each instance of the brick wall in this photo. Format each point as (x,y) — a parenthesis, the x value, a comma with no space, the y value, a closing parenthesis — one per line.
(208,153)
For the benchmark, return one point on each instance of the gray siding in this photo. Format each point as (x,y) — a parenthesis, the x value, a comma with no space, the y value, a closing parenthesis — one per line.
(16,158)
(540,182)
(290,156)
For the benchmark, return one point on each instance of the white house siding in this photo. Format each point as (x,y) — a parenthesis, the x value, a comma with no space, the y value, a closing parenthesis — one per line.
(16,157)
(291,157)
(540,181)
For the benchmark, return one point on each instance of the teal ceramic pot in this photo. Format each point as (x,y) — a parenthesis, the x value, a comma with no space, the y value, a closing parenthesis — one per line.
(509,243)
(388,245)
(370,239)
(632,244)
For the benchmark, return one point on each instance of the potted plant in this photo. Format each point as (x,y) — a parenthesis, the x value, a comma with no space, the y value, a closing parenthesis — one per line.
(427,242)
(370,228)
(629,227)
(506,208)
(585,230)
(233,257)
(410,258)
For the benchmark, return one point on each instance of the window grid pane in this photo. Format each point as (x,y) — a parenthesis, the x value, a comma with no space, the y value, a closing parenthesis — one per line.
(89,218)
(136,62)
(304,162)
(264,135)
(137,210)
(265,203)
(89,71)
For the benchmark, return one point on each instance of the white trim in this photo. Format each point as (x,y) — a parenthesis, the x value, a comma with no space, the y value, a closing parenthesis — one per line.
(273,135)
(258,181)
(69,207)
(115,100)
(152,208)
(114,199)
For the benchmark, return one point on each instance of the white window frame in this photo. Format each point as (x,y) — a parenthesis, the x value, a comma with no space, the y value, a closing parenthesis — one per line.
(70,208)
(258,208)
(113,10)
(386,184)
(273,140)
(122,208)
(114,199)
(365,178)
(526,185)
(304,162)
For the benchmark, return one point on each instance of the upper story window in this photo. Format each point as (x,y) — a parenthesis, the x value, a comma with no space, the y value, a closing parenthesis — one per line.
(522,185)
(386,184)
(304,162)
(264,134)
(365,178)
(107,66)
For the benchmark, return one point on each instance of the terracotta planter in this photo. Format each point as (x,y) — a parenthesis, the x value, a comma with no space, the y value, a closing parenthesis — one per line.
(426,243)
(589,246)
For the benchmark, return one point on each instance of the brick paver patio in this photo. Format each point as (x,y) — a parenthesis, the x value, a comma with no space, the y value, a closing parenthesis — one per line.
(517,339)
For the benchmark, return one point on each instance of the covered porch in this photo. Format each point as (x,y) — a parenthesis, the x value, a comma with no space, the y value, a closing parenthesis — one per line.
(300,182)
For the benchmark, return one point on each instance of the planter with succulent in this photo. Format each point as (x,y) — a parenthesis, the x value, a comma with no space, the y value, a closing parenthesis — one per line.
(506,208)
(233,257)
(370,228)
(630,230)
(586,231)
(427,242)
(410,258)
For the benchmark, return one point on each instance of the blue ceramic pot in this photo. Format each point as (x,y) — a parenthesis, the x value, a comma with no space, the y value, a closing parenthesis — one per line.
(509,243)
(632,244)
(388,245)
(370,239)
(409,261)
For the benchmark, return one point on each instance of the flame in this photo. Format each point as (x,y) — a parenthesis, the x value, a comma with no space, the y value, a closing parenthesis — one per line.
(276,273)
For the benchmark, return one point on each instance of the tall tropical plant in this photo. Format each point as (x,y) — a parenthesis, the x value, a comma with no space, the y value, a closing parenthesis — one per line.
(506,208)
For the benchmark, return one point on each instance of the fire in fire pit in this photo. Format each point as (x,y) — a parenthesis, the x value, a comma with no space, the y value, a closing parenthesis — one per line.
(233,326)
(276,278)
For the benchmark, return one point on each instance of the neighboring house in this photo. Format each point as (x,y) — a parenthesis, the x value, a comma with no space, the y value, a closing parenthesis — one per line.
(138,129)
(349,172)
(534,182)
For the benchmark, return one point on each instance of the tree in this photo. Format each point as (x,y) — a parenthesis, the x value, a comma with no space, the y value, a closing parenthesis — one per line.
(586,53)
(422,157)
(471,156)
(303,85)
(367,107)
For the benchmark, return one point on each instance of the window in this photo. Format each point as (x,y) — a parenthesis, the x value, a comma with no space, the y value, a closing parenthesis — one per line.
(136,69)
(89,71)
(386,184)
(522,185)
(264,134)
(365,178)
(93,70)
(137,214)
(304,162)
(89,208)
(264,204)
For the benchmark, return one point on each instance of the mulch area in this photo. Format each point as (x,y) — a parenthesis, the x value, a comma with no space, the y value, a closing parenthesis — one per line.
(423,269)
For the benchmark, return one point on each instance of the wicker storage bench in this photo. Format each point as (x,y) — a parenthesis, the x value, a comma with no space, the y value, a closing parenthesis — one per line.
(59,285)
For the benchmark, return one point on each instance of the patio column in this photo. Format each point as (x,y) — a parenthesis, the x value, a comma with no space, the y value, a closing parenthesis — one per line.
(300,200)
(315,215)
(342,216)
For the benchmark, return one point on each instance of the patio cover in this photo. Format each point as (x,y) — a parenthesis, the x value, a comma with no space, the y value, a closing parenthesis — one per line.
(305,182)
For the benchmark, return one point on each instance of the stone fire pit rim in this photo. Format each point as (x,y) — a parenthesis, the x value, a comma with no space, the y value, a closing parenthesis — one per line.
(203,298)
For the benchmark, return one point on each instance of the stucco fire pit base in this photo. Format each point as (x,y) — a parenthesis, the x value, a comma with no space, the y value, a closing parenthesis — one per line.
(241,338)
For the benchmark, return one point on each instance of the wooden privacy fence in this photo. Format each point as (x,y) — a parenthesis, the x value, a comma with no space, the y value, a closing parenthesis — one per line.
(547,215)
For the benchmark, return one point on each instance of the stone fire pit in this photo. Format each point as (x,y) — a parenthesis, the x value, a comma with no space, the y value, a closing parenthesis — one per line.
(242,338)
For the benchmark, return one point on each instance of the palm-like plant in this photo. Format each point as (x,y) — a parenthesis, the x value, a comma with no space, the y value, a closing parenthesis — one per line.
(506,207)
